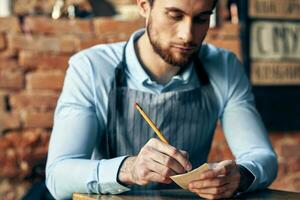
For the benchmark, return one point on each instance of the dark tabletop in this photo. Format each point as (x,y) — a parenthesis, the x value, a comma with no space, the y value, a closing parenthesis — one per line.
(183,194)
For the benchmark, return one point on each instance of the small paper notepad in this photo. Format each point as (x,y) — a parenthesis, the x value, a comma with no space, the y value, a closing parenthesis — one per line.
(183,180)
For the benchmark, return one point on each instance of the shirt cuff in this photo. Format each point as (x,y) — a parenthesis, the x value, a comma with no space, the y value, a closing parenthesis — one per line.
(251,169)
(246,179)
(108,172)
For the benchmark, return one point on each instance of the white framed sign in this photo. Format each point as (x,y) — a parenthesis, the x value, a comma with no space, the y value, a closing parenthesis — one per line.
(275,40)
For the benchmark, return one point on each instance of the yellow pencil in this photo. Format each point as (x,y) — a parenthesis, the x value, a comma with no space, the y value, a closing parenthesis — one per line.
(152,125)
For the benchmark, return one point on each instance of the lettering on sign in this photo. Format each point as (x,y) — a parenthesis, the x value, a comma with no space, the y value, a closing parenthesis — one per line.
(275,73)
(274,9)
(275,40)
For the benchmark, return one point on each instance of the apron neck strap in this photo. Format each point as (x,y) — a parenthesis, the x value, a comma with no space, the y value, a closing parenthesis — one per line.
(202,75)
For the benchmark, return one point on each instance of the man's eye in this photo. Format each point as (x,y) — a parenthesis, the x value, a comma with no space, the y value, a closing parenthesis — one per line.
(175,16)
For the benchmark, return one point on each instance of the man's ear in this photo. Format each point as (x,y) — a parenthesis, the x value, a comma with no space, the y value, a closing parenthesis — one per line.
(144,7)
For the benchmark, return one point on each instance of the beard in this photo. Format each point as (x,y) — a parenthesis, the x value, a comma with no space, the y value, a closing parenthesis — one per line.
(167,55)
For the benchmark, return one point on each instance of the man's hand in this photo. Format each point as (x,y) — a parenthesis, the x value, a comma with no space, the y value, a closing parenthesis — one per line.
(221,181)
(156,162)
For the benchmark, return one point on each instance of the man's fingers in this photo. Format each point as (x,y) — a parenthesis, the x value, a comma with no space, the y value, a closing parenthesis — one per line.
(212,190)
(149,172)
(185,154)
(163,170)
(211,173)
(216,182)
(223,168)
(170,151)
(220,181)
(225,191)
(157,178)
(166,161)
(226,166)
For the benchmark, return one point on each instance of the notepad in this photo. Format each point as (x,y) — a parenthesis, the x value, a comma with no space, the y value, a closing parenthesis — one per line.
(183,180)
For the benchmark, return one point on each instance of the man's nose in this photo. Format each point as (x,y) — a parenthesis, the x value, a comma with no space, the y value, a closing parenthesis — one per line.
(185,31)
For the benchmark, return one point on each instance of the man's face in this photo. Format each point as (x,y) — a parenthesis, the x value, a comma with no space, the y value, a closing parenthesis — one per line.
(177,28)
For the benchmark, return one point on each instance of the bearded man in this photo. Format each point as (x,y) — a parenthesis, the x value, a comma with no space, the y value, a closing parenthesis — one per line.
(100,144)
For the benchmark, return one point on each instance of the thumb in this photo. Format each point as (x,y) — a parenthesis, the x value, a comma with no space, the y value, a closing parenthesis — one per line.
(225,167)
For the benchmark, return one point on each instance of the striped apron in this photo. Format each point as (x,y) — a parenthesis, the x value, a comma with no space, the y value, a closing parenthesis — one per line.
(187,119)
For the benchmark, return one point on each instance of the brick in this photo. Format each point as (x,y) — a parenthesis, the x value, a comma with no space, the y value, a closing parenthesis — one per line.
(219,135)
(14,138)
(37,141)
(6,64)
(51,80)
(293,164)
(276,138)
(32,60)
(40,153)
(4,144)
(21,151)
(2,41)
(215,155)
(229,44)
(289,147)
(47,25)
(9,24)
(11,79)
(226,153)
(41,101)
(9,121)
(290,182)
(227,30)
(110,26)
(85,43)
(282,167)
(32,7)
(55,44)
(37,119)
(227,36)
(3,97)
(10,167)
(89,42)
(8,53)
(29,138)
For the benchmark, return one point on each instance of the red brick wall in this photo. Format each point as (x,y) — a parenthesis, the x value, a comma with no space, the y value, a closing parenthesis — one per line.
(33,58)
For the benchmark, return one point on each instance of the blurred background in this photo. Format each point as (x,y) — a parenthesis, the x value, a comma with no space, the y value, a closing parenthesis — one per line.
(37,37)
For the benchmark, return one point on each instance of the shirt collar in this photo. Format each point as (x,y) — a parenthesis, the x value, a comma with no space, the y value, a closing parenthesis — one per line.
(136,70)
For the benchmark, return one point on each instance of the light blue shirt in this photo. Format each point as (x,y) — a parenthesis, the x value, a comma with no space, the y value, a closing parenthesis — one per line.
(81,117)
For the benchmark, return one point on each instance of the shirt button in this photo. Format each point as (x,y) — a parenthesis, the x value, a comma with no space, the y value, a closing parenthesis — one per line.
(120,190)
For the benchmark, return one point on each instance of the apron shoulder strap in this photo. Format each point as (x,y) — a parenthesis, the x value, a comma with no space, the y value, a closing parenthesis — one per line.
(119,71)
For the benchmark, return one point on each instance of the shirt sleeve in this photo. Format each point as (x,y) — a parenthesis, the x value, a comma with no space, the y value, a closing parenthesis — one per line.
(75,132)
(244,129)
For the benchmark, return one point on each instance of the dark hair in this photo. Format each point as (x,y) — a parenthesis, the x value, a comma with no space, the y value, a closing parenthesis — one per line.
(152,1)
